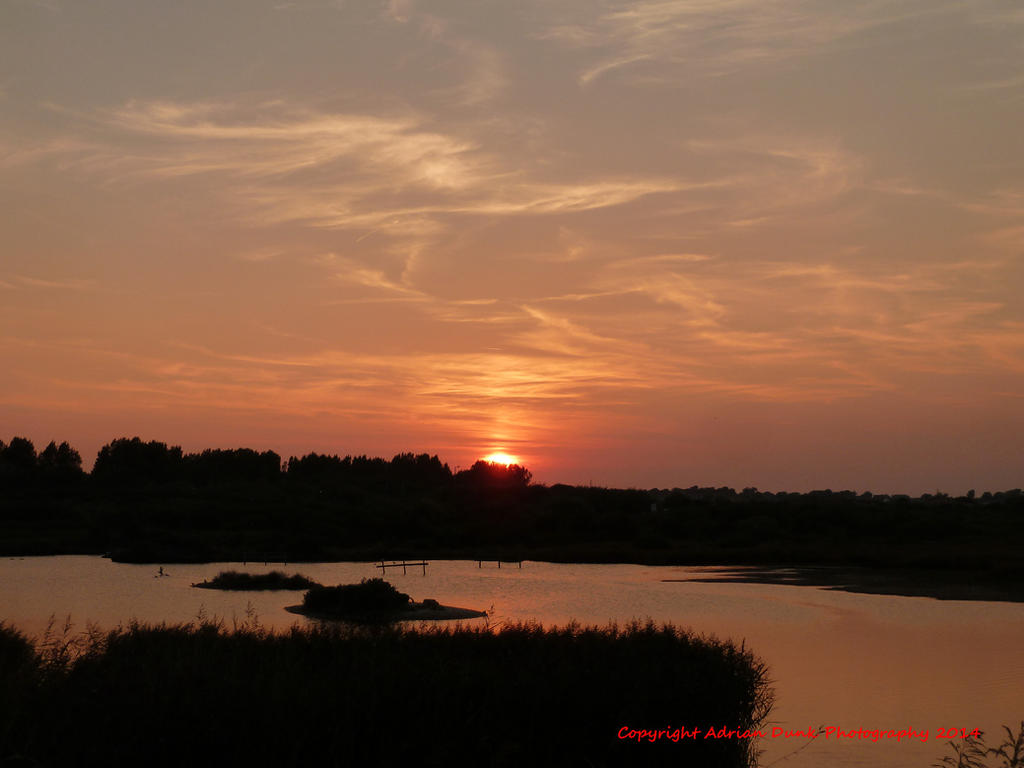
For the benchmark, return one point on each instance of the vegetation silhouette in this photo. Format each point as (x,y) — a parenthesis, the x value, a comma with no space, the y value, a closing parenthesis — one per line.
(151,502)
(132,462)
(335,695)
(367,597)
(250,582)
(488,475)
(972,752)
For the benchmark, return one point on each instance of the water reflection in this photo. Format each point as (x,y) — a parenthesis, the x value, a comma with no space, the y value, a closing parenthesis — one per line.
(838,659)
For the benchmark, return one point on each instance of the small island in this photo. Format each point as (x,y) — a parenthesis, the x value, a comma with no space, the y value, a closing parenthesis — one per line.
(253,582)
(374,601)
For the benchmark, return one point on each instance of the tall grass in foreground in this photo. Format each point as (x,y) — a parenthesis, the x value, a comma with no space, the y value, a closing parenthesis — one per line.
(174,695)
(972,752)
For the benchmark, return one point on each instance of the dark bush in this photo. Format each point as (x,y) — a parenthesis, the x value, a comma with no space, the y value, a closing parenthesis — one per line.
(233,580)
(367,596)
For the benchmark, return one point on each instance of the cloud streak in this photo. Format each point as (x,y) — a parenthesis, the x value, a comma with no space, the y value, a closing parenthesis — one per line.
(719,37)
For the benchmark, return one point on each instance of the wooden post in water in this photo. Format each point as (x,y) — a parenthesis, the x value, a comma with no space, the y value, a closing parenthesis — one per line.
(404,566)
(480,563)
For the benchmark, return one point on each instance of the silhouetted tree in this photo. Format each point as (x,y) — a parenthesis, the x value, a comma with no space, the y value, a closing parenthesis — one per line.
(60,463)
(315,467)
(419,471)
(223,466)
(406,471)
(133,462)
(484,474)
(18,460)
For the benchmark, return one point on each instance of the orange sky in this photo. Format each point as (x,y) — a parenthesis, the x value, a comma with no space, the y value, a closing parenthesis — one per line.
(657,243)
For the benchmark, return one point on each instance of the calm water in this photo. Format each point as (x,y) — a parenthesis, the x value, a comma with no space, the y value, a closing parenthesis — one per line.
(838,659)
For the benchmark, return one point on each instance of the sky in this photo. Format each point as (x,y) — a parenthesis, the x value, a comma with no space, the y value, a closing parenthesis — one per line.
(770,243)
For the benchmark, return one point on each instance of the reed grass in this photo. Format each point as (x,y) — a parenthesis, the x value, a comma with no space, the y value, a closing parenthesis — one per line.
(327,695)
(972,752)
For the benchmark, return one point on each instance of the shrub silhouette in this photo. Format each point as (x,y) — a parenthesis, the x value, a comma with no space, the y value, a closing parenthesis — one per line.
(233,580)
(369,595)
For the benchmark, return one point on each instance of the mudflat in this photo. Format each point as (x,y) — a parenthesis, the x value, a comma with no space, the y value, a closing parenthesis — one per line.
(908,582)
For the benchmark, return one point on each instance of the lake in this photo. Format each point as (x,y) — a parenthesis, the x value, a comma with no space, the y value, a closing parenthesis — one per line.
(838,659)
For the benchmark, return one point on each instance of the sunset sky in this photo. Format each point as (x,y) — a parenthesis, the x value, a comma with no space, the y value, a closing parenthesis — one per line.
(769,243)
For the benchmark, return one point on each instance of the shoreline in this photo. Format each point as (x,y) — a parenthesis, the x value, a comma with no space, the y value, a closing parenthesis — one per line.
(415,612)
(938,585)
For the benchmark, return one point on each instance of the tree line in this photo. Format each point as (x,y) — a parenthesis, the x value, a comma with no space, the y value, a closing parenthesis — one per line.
(152,502)
(133,462)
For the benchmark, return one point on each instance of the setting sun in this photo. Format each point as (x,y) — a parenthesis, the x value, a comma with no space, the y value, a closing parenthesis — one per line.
(502,458)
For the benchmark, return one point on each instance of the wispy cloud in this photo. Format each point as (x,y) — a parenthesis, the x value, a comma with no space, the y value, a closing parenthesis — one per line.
(275,142)
(481,65)
(63,284)
(352,272)
(391,175)
(18,153)
(715,37)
